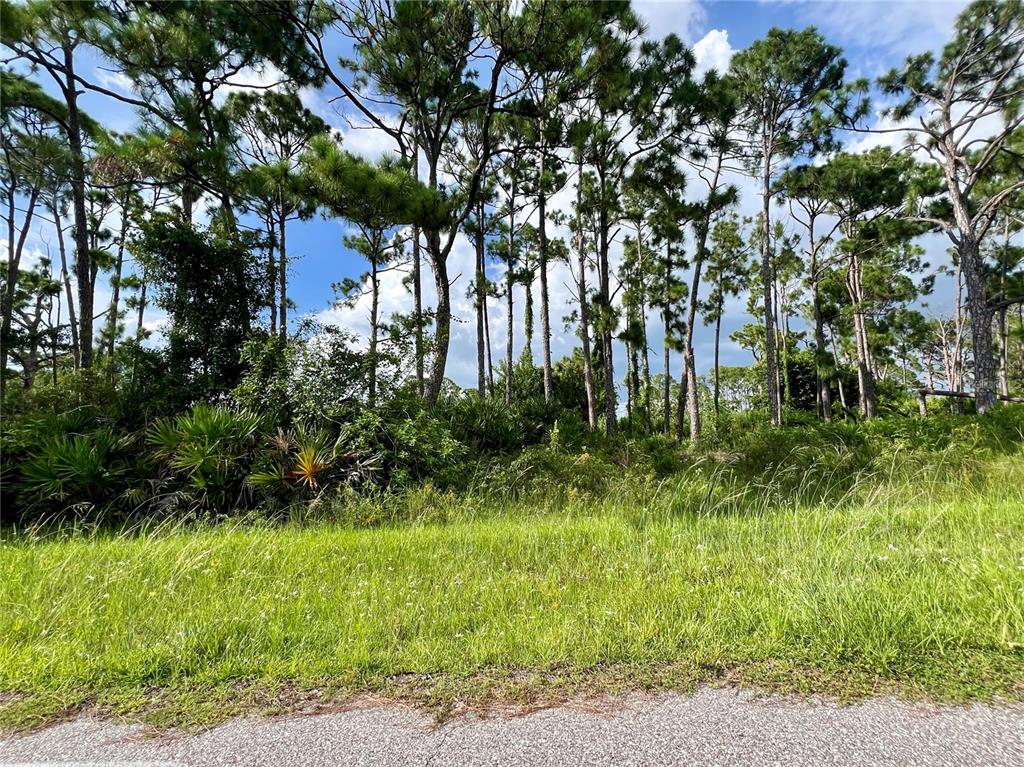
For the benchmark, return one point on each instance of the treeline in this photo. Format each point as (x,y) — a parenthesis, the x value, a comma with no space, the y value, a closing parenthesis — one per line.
(493,110)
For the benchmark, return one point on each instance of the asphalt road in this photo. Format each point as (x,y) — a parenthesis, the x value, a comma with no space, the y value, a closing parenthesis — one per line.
(713,727)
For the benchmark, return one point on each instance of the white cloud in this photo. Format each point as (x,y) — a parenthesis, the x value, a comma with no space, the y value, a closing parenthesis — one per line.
(713,51)
(684,18)
(885,26)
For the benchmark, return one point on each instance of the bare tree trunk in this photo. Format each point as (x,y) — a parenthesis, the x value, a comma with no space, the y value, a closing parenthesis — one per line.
(981,327)
(271,274)
(141,310)
(282,273)
(865,371)
(528,317)
(31,364)
(718,336)
(442,318)
(371,384)
(54,330)
(115,298)
(684,385)
(481,293)
(820,353)
(782,323)
(14,252)
(631,383)
(666,396)
(691,313)
(646,361)
(581,287)
(83,259)
(606,324)
(66,279)
(509,283)
(1004,351)
(487,342)
(443,312)
(545,309)
(644,393)
(417,281)
(767,279)
(839,377)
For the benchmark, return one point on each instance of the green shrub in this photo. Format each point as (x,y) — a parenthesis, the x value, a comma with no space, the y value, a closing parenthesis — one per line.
(543,470)
(88,472)
(411,444)
(89,389)
(484,425)
(206,456)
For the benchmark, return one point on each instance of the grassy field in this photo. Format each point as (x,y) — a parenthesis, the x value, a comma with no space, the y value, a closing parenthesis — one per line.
(911,587)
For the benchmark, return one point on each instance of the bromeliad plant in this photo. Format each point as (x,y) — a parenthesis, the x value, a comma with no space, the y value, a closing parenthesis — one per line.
(300,463)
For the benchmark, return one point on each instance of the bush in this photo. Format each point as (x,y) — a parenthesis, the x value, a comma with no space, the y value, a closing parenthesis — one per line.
(409,443)
(89,473)
(549,472)
(90,390)
(306,380)
(484,425)
(205,457)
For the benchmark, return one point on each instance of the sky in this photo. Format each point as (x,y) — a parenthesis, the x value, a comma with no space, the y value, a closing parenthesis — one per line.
(874,35)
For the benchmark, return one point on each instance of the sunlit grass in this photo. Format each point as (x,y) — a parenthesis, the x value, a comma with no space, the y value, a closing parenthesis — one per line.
(918,584)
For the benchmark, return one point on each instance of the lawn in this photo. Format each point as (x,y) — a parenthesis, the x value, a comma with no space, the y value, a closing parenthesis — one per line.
(915,589)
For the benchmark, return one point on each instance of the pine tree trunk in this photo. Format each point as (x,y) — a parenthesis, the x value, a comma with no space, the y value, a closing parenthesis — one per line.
(14,252)
(1004,351)
(481,290)
(371,384)
(417,285)
(691,312)
(1004,354)
(646,362)
(545,309)
(865,371)
(767,279)
(528,319)
(487,343)
(718,336)
(83,258)
(442,318)
(271,276)
(970,260)
(981,326)
(443,312)
(581,286)
(684,385)
(31,364)
(820,353)
(282,275)
(509,283)
(644,392)
(606,324)
(115,298)
(54,332)
(839,377)
(666,396)
(630,384)
(142,310)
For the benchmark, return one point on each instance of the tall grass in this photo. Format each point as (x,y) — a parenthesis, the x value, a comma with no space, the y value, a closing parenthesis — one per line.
(913,574)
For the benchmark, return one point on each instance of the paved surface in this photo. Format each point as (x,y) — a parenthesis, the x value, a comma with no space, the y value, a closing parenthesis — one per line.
(713,727)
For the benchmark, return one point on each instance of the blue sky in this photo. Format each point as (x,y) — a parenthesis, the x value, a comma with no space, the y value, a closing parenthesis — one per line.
(874,36)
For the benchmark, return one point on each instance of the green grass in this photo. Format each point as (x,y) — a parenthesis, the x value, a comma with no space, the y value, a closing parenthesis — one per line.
(906,586)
